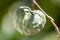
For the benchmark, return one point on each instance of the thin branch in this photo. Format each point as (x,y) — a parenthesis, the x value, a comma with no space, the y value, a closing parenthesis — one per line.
(56,28)
(33,5)
(49,17)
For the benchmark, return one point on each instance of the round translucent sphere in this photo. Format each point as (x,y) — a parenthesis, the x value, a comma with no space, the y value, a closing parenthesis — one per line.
(29,22)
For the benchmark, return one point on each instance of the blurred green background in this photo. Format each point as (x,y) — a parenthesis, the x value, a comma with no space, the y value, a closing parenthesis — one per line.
(7,32)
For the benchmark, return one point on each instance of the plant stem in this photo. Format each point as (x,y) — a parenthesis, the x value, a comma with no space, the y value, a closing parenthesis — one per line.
(49,17)
(33,5)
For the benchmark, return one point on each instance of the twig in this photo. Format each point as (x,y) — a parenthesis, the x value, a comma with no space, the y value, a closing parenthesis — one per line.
(49,17)
(33,5)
